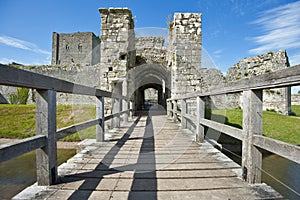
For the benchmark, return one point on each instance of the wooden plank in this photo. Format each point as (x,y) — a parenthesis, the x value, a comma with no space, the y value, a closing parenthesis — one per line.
(46,157)
(108,117)
(200,115)
(14,149)
(281,78)
(174,110)
(223,128)
(20,78)
(226,129)
(183,112)
(252,125)
(64,132)
(100,131)
(286,150)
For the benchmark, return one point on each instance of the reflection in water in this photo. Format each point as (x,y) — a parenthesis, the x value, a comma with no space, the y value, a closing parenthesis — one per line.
(285,171)
(284,175)
(18,173)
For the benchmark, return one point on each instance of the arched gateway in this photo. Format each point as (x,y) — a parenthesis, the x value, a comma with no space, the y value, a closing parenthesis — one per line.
(146,76)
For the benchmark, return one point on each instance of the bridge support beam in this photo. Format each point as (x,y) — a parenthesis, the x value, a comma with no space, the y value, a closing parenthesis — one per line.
(100,128)
(200,115)
(183,113)
(46,125)
(174,102)
(117,107)
(252,125)
(169,108)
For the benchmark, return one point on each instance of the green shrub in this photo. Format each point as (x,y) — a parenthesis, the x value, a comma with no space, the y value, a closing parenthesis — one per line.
(20,97)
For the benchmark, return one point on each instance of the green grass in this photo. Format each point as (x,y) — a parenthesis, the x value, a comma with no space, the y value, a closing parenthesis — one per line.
(296,110)
(280,127)
(18,121)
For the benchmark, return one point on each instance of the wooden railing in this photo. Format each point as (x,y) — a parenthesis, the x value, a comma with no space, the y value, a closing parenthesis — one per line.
(251,134)
(46,134)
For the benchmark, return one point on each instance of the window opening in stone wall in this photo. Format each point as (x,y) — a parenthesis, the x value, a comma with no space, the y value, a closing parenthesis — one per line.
(123,57)
(80,47)
(110,69)
(67,47)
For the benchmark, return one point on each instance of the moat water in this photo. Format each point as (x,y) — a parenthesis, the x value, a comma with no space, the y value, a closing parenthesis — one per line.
(19,173)
(280,173)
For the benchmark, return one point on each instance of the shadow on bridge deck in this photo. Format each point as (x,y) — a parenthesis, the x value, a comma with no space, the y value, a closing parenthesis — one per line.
(149,158)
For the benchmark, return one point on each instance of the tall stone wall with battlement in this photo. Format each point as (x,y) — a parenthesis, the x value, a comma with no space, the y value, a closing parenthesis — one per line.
(117,45)
(184,52)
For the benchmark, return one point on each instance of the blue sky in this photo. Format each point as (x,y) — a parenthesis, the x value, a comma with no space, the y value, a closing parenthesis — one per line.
(232,29)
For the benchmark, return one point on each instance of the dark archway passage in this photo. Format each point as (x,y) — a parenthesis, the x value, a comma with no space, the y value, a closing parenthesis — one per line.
(144,101)
(145,77)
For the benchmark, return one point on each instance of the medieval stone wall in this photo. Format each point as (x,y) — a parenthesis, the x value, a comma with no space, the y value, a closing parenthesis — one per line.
(82,48)
(117,44)
(295,99)
(184,52)
(150,50)
(275,99)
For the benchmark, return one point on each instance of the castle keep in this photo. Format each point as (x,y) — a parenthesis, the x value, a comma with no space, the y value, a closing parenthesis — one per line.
(77,48)
(119,61)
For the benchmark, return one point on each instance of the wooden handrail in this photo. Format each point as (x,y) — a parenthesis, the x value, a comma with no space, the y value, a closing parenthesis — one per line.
(14,149)
(11,76)
(281,78)
(251,134)
(47,135)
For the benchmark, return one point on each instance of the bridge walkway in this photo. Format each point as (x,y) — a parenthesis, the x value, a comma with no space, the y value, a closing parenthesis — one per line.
(149,157)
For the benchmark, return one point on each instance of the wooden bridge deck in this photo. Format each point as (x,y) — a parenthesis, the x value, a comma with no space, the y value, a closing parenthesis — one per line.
(154,159)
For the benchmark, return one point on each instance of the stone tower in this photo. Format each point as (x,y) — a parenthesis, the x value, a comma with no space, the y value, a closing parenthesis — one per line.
(117,44)
(81,49)
(184,51)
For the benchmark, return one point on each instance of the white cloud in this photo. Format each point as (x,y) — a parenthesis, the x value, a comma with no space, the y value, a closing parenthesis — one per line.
(6,60)
(218,53)
(280,27)
(21,44)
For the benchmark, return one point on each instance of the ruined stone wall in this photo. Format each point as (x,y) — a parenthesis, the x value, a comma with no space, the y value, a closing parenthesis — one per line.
(295,99)
(81,49)
(275,99)
(150,50)
(117,44)
(184,52)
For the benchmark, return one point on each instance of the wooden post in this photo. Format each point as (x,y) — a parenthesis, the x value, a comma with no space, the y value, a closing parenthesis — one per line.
(46,125)
(130,106)
(252,125)
(174,110)
(200,114)
(169,108)
(126,107)
(100,128)
(183,112)
(115,123)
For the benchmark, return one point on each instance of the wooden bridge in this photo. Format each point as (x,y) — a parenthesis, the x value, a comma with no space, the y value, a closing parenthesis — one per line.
(149,156)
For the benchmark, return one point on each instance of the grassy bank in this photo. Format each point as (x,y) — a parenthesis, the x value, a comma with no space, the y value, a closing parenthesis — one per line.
(284,128)
(18,121)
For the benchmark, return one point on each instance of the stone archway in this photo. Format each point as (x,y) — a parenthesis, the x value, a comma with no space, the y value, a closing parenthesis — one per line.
(147,76)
